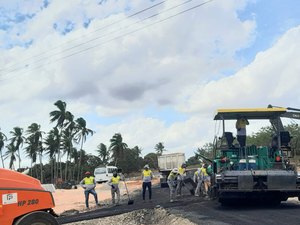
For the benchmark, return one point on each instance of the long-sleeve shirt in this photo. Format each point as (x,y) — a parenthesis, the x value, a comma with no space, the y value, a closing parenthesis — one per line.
(197,175)
(88,183)
(147,175)
(172,178)
(241,126)
(114,181)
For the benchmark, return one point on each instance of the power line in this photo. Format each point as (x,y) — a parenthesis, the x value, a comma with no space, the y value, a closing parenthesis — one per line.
(96,30)
(123,35)
(101,36)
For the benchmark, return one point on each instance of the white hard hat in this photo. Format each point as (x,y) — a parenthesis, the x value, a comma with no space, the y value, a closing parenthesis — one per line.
(175,170)
(146,166)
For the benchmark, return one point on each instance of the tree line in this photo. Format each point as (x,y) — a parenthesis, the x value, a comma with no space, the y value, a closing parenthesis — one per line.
(63,147)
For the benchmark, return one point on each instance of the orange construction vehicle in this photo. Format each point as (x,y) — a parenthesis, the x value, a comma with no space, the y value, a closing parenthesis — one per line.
(23,201)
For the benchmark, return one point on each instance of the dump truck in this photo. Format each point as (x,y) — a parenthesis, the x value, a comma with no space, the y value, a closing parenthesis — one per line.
(24,201)
(166,163)
(255,172)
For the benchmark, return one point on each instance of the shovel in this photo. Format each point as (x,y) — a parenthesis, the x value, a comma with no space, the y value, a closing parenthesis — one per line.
(130,201)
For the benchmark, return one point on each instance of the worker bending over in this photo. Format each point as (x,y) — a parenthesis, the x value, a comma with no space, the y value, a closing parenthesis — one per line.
(147,178)
(181,177)
(115,190)
(172,182)
(198,180)
(88,184)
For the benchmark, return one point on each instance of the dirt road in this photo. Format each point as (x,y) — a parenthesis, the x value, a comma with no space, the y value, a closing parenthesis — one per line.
(198,211)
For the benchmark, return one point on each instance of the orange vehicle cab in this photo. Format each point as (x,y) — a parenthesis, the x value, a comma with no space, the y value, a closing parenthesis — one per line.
(23,201)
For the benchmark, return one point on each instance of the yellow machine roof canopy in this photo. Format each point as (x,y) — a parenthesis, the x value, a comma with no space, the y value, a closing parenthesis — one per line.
(250,113)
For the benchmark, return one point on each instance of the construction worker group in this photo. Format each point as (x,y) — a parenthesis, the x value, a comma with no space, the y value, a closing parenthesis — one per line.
(176,180)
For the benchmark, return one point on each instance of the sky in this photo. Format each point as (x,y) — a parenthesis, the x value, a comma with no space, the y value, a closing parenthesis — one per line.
(154,71)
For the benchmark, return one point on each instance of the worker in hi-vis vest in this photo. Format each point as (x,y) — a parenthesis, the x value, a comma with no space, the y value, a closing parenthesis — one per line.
(172,182)
(88,184)
(180,178)
(147,178)
(115,190)
(198,180)
(240,125)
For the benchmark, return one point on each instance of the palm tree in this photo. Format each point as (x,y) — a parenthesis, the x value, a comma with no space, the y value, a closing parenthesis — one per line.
(60,116)
(11,153)
(137,151)
(117,147)
(103,153)
(31,151)
(160,148)
(52,147)
(74,154)
(17,140)
(3,138)
(34,141)
(80,137)
(67,140)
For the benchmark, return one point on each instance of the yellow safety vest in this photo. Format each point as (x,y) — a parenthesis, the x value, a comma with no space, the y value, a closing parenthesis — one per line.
(172,176)
(147,175)
(181,170)
(204,172)
(115,180)
(241,123)
(88,180)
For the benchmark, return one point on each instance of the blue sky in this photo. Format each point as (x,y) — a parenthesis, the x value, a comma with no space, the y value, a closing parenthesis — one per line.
(160,84)
(273,19)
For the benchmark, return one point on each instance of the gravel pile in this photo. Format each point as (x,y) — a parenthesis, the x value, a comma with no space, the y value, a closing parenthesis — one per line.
(158,216)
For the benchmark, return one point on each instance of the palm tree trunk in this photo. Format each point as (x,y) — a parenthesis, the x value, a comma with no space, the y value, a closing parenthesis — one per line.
(66,169)
(59,155)
(41,164)
(36,173)
(55,168)
(52,168)
(31,167)
(2,160)
(58,165)
(79,164)
(19,158)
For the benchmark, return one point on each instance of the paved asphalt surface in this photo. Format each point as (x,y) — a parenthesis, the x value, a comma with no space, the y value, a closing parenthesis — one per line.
(203,211)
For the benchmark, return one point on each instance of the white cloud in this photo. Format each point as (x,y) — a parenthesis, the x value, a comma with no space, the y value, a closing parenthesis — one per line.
(272,78)
(144,132)
(177,63)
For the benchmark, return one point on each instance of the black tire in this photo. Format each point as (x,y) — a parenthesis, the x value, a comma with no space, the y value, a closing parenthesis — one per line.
(37,218)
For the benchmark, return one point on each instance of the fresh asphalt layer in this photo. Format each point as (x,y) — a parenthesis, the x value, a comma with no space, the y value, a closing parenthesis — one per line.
(202,211)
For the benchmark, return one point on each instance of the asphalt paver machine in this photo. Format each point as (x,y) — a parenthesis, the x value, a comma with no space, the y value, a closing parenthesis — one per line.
(255,172)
